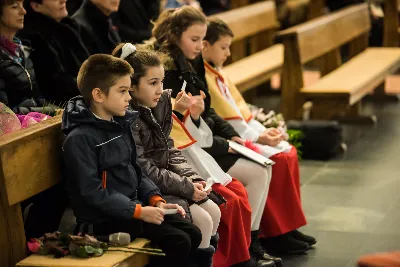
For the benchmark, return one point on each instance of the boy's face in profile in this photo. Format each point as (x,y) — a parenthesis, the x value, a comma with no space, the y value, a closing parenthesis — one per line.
(117,101)
(219,52)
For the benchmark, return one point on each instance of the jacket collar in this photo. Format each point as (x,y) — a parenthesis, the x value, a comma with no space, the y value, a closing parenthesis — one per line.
(95,15)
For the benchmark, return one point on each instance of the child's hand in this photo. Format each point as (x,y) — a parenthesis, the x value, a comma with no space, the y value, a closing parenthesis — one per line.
(270,137)
(238,140)
(198,193)
(183,102)
(181,210)
(197,107)
(152,215)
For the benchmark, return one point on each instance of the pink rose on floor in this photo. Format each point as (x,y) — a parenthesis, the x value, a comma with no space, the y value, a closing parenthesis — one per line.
(34,245)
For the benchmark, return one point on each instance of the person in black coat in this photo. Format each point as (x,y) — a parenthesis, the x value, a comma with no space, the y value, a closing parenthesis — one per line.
(58,50)
(137,28)
(97,29)
(18,89)
(17,77)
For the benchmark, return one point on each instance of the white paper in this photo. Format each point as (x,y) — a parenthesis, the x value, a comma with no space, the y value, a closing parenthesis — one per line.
(247,152)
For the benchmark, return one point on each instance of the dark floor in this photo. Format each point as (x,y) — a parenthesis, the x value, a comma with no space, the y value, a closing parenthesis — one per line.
(352,202)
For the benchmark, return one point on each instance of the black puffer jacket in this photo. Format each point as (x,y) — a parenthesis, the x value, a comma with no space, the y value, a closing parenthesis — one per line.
(93,147)
(17,81)
(194,74)
(158,158)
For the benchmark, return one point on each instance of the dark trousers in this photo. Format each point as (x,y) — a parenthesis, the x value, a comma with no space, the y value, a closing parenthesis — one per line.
(45,214)
(176,236)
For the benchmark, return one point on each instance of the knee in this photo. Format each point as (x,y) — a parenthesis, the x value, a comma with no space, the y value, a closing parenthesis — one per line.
(204,221)
(262,176)
(214,211)
(216,214)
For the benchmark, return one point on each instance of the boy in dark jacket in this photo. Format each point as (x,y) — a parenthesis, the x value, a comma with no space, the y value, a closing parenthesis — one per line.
(106,187)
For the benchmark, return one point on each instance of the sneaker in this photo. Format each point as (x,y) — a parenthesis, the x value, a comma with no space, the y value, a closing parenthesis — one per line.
(302,237)
(284,244)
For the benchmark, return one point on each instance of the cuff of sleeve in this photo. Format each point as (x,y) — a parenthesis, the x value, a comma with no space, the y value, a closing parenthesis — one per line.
(180,116)
(155,199)
(138,209)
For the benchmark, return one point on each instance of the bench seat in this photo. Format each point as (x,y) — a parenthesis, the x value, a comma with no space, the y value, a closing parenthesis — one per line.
(108,259)
(255,69)
(357,77)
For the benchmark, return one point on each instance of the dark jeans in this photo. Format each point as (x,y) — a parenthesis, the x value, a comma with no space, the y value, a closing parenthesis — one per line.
(176,236)
(45,214)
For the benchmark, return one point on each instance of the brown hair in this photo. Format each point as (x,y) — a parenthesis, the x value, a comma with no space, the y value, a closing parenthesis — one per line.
(101,71)
(4,3)
(172,23)
(142,59)
(216,29)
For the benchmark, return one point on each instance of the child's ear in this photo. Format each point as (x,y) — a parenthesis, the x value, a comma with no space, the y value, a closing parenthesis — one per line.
(133,88)
(97,95)
(206,45)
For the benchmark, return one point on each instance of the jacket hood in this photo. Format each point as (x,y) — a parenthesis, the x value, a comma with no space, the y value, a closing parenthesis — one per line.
(77,113)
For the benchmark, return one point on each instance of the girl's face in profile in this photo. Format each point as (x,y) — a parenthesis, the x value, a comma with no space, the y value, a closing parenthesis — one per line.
(191,41)
(150,87)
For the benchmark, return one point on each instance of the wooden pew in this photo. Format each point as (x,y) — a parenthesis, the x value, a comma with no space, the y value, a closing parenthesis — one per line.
(30,164)
(239,3)
(340,90)
(391,37)
(316,8)
(253,25)
(260,22)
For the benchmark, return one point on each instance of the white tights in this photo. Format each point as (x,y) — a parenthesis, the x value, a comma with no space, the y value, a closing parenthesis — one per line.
(206,216)
(255,179)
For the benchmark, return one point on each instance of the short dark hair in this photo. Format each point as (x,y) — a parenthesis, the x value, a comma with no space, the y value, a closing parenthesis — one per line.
(101,71)
(216,29)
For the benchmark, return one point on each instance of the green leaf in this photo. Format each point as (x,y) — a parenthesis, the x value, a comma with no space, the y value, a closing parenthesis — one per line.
(91,251)
(81,252)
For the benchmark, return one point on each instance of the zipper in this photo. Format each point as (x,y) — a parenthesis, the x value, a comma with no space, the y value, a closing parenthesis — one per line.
(24,68)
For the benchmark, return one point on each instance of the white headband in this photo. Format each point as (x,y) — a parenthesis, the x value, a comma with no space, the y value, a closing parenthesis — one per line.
(127,49)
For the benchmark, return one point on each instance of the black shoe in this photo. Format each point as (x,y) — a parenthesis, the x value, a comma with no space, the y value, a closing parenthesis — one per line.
(257,251)
(284,244)
(253,263)
(214,241)
(265,263)
(302,237)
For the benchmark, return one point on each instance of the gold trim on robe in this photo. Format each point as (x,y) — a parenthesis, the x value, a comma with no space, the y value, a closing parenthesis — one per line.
(220,88)
(179,133)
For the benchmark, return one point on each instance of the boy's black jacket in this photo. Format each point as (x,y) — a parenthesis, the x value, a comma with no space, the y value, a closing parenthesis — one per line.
(93,146)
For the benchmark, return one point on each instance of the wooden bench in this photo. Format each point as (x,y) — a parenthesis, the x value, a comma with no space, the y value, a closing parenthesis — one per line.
(261,23)
(254,27)
(30,164)
(108,259)
(341,88)
(391,37)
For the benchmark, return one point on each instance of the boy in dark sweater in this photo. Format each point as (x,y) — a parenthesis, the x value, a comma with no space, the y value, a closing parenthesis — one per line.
(106,187)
